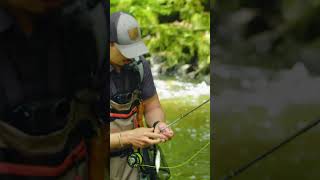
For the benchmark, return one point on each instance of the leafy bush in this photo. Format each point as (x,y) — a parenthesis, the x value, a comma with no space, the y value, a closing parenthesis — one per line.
(178,31)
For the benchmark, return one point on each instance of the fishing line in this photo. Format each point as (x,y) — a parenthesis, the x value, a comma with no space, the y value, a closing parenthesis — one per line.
(184,162)
(272,150)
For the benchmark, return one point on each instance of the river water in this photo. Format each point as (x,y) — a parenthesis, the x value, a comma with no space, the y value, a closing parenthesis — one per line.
(192,133)
(254,110)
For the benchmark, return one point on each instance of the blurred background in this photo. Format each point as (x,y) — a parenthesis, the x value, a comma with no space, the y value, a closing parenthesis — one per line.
(266,83)
(177,33)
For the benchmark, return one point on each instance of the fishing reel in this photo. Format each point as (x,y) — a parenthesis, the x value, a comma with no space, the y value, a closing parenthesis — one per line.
(145,160)
(135,160)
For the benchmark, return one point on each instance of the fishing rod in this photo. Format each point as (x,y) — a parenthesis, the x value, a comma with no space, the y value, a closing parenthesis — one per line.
(270,151)
(185,115)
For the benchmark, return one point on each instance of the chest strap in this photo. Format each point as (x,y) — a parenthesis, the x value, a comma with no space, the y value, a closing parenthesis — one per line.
(124,116)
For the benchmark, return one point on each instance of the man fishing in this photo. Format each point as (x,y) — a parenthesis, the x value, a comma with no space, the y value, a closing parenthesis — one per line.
(132,95)
(48,56)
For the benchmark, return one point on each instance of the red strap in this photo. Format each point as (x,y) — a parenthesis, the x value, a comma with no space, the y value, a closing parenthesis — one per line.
(30,170)
(135,122)
(124,116)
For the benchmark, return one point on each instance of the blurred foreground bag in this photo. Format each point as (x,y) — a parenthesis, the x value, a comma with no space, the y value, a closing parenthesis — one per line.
(50,86)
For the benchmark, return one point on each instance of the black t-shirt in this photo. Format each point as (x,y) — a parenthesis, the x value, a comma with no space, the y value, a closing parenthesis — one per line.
(147,85)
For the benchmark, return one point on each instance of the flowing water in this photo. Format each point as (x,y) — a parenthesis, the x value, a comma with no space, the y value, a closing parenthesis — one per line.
(192,132)
(254,110)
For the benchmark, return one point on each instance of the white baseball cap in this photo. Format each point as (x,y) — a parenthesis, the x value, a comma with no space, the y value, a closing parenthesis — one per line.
(126,34)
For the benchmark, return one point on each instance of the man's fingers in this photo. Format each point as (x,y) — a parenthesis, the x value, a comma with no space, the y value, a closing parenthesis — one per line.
(138,145)
(149,129)
(156,130)
(153,141)
(154,135)
(162,127)
(169,134)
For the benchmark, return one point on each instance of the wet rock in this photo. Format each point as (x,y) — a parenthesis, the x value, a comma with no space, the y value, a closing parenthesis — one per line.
(193,75)
(183,70)
(157,59)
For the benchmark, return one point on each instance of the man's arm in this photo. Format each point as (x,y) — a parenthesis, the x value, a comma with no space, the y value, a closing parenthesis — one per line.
(153,113)
(153,110)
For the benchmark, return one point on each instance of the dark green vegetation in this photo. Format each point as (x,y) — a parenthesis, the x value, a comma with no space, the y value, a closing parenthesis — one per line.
(272,34)
(177,32)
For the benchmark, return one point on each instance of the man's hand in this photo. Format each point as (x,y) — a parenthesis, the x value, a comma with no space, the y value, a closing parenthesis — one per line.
(142,137)
(162,128)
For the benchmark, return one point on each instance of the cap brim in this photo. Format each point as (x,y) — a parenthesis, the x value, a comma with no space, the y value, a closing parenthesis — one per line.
(133,50)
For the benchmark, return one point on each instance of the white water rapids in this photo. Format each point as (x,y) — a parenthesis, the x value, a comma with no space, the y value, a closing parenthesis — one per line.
(173,88)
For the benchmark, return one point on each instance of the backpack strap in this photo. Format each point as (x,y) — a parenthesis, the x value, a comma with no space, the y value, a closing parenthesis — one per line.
(140,68)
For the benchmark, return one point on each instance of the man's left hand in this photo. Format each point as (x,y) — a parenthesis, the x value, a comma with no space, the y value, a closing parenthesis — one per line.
(162,128)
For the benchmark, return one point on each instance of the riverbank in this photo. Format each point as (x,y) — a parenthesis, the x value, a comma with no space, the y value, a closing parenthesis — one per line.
(181,72)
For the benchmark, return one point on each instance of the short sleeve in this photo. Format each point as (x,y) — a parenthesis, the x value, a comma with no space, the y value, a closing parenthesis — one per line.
(147,86)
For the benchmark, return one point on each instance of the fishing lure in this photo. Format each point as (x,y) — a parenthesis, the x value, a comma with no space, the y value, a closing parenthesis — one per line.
(158,161)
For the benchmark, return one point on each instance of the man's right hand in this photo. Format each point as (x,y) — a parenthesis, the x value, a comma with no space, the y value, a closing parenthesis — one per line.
(141,137)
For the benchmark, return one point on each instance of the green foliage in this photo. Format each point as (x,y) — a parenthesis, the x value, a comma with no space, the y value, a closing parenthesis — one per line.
(176,30)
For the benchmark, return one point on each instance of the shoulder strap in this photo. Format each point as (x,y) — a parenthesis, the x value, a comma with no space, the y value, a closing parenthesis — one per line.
(141,69)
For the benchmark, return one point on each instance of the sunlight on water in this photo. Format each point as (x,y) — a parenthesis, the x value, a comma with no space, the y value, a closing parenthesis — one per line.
(169,89)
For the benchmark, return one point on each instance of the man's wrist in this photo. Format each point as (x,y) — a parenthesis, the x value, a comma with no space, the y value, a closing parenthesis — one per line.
(120,140)
(154,125)
(124,138)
